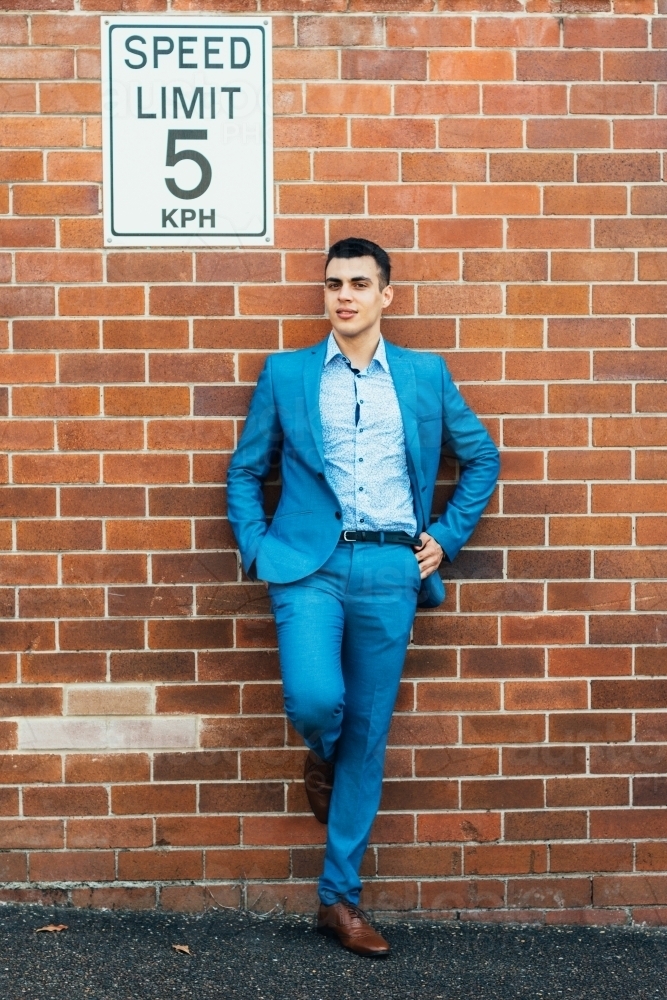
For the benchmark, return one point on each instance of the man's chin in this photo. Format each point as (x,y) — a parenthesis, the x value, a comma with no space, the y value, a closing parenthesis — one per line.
(347,327)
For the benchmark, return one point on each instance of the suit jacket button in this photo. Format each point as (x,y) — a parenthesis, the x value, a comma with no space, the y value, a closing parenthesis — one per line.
(320,476)
(338,515)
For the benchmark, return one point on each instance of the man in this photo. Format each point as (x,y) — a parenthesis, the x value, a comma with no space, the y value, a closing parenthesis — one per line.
(358,425)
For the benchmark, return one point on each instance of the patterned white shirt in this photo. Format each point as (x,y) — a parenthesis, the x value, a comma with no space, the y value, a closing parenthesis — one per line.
(364,443)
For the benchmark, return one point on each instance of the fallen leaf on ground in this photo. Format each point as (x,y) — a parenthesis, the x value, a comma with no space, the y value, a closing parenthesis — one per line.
(185,948)
(52,928)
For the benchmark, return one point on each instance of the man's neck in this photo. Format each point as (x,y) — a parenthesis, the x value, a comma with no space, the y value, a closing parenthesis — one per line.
(360,349)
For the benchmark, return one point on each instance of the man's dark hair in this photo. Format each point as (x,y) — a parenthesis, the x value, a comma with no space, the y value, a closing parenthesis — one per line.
(354,247)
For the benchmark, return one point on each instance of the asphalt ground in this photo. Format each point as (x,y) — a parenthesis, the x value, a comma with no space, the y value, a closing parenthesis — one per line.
(107,955)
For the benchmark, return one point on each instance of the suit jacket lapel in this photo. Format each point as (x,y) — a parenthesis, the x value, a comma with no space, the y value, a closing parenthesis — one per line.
(405,383)
(312,374)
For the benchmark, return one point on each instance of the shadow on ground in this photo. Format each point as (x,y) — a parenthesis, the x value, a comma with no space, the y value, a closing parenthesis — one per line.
(129,956)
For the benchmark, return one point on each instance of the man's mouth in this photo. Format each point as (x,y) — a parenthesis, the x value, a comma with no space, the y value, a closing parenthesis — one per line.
(345,313)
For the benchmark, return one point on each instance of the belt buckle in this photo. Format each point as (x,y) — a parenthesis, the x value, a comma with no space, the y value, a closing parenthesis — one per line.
(347,532)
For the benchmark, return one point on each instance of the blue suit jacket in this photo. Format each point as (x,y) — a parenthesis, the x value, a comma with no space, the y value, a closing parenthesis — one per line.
(284,418)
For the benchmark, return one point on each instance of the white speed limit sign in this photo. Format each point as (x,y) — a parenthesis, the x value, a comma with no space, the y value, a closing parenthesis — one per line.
(187,131)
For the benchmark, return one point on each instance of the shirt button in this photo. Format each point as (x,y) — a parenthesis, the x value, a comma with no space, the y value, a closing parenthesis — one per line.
(361,520)
(361,459)
(361,489)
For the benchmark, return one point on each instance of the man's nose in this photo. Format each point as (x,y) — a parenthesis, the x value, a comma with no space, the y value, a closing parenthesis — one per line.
(345,293)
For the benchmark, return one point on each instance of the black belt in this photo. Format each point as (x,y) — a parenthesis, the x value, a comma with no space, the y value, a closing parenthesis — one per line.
(381,537)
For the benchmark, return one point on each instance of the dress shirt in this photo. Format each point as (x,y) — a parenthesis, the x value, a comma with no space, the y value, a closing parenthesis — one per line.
(364,443)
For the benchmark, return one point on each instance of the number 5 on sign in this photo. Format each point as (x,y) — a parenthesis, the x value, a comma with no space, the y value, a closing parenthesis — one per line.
(187,131)
(173,135)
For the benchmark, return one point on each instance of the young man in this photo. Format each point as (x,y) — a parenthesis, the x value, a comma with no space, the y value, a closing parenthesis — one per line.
(358,425)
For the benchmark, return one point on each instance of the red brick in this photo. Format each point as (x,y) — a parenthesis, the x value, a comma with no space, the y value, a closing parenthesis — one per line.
(58,267)
(151,865)
(14,30)
(436,98)
(152,666)
(388,232)
(65,334)
(429,31)
(22,700)
(73,167)
(52,29)
(57,402)
(545,299)
(29,833)
(482,133)
(503,729)
(96,301)
(26,301)
(368,133)
(316,31)
(589,728)
(456,299)
(37,64)
(88,800)
(617,167)
(651,332)
(202,300)
(630,498)
(305,64)
(635,66)
(590,857)
(456,233)
(548,629)
(409,199)
(443,167)
(309,131)
(520,32)
(18,97)
(629,890)
(610,99)
(355,166)
(237,267)
(100,634)
(379,64)
(146,469)
(557,133)
(141,334)
(558,65)
(505,859)
(531,167)
(144,401)
(545,893)
(473,65)
(72,866)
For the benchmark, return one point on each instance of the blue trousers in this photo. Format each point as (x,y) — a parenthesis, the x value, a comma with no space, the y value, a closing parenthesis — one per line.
(343,632)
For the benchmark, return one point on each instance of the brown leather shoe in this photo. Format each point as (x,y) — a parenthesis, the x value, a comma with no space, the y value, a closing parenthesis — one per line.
(318,778)
(350,925)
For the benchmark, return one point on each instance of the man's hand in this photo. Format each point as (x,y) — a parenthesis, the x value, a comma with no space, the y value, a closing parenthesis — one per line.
(429,556)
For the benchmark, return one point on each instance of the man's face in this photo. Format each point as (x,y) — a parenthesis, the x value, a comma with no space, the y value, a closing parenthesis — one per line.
(352,295)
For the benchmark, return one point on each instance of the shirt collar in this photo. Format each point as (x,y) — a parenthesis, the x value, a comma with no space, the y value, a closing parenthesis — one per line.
(380,353)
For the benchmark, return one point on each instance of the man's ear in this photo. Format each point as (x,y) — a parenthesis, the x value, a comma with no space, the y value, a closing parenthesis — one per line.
(387,296)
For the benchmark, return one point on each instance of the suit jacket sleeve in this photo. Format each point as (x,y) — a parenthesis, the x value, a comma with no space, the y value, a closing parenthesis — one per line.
(467,438)
(260,441)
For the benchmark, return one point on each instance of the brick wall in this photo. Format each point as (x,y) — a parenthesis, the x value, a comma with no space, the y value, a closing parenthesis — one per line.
(509,157)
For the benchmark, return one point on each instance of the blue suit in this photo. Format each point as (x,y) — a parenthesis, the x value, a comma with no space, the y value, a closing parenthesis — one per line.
(344,611)
(284,417)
